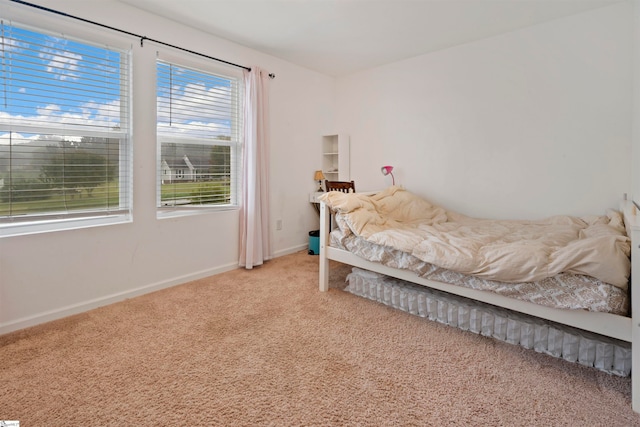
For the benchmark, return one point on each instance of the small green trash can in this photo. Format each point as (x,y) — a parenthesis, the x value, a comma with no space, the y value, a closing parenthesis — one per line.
(314,242)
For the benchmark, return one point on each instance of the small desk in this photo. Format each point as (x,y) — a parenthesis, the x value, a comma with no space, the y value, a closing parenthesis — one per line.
(313,199)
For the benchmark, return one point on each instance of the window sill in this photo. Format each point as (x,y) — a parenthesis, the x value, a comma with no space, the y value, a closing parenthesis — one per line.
(177,213)
(37,227)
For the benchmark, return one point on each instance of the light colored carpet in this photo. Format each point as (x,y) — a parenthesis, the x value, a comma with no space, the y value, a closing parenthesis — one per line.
(264,347)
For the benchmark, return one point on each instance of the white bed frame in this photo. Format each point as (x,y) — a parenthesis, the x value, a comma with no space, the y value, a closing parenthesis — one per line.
(610,325)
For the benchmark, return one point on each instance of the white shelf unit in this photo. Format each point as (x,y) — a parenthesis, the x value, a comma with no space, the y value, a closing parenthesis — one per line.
(335,157)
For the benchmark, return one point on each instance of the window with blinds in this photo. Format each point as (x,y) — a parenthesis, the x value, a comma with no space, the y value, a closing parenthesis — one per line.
(199,124)
(64,127)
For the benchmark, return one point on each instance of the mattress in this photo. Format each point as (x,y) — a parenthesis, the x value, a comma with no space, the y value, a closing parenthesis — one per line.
(563,291)
(509,251)
(603,353)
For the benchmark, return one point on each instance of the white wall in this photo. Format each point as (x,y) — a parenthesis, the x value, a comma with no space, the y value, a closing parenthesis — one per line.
(49,275)
(526,124)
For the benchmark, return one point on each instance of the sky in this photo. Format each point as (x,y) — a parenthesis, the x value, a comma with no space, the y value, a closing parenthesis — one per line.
(187,93)
(57,82)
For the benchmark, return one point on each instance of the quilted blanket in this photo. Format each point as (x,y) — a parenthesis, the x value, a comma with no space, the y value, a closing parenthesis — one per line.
(502,250)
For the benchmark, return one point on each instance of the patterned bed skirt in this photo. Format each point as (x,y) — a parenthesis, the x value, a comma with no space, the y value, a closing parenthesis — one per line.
(571,344)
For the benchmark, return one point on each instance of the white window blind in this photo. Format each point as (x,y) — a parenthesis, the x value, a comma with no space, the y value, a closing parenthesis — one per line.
(64,127)
(199,124)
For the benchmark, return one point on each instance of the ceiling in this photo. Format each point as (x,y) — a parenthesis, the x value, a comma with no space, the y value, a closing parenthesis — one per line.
(339,37)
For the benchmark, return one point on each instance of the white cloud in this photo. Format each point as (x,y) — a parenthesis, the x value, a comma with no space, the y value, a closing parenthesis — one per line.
(102,114)
(10,44)
(16,138)
(196,110)
(90,114)
(63,65)
(49,110)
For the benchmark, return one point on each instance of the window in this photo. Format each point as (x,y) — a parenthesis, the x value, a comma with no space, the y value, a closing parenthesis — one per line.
(64,147)
(199,124)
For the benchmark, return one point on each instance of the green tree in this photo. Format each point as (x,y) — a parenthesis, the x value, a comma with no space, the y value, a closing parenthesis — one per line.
(69,167)
(23,189)
(220,162)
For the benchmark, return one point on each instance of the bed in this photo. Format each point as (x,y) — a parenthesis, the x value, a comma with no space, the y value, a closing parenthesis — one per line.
(615,233)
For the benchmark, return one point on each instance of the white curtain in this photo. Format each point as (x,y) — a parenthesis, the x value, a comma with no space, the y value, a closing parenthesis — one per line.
(255,245)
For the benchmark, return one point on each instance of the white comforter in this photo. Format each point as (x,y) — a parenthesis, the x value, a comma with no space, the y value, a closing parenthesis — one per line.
(503,250)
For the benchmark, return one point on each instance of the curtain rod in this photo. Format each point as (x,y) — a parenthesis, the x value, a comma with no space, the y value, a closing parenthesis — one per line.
(142,38)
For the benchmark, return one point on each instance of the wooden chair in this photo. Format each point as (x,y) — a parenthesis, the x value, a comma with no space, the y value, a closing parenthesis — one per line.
(344,186)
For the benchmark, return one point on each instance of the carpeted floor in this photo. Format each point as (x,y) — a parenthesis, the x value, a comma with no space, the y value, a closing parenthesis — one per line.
(264,347)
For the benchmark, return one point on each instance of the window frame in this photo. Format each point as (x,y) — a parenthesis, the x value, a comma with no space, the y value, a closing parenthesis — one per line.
(192,62)
(58,221)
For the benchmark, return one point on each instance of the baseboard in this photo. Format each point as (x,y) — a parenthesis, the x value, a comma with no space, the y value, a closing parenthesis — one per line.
(290,250)
(70,310)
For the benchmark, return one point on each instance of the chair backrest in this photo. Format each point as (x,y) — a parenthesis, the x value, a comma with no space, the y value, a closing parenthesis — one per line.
(344,186)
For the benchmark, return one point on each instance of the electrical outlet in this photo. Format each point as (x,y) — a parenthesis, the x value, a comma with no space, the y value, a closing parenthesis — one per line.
(279,224)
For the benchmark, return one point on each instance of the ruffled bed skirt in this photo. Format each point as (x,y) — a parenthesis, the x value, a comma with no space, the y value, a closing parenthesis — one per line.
(603,353)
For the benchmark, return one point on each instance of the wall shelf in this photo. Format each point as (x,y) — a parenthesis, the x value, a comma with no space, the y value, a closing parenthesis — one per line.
(335,157)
